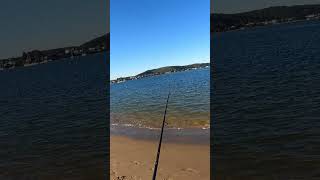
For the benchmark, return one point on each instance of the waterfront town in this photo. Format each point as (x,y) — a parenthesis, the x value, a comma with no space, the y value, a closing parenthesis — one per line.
(270,22)
(97,45)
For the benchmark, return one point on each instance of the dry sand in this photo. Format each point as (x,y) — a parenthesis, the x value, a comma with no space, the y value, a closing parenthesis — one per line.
(133,159)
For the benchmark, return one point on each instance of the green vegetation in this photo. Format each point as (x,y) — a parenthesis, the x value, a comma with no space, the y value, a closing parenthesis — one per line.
(168,69)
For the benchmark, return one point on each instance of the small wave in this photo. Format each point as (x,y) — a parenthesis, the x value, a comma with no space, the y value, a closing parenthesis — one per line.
(128,125)
(151,128)
(141,126)
(175,128)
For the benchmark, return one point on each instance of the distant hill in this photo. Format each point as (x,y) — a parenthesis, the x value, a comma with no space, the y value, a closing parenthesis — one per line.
(97,45)
(162,70)
(224,22)
(167,69)
(98,42)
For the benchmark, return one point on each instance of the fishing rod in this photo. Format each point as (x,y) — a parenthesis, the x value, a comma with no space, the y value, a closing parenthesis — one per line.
(160,141)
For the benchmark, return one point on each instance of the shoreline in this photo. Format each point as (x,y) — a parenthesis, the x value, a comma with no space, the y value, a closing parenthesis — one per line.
(133,159)
(262,26)
(52,60)
(132,78)
(192,136)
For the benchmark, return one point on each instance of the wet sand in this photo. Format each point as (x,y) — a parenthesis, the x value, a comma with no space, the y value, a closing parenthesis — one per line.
(133,159)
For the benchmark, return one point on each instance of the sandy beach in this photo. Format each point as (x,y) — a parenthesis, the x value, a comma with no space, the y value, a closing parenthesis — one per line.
(133,159)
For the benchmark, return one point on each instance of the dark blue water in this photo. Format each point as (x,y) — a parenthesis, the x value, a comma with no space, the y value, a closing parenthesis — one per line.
(266,103)
(53,120)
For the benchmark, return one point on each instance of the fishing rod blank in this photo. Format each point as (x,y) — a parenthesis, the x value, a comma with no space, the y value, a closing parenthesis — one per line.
(159,147)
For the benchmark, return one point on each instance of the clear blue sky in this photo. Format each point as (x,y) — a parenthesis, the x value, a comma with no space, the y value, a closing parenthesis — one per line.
(44,24)
(147,34)
(234,6)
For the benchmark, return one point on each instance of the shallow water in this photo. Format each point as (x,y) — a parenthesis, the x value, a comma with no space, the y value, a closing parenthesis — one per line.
(141,103)
(53,120)
(266,104)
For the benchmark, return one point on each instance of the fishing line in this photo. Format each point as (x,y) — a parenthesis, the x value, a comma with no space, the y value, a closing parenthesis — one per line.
(160,140)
